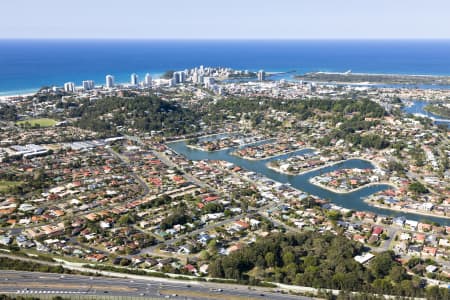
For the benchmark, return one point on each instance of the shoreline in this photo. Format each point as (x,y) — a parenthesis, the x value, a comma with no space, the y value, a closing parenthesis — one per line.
(380,74)
(434,119)
(309,170)
(371,79)
(272,156)
(431,109)
(195,147)
(405,210)
(5,98)
(340,192)
(202,136)
(375,165)
(26,91)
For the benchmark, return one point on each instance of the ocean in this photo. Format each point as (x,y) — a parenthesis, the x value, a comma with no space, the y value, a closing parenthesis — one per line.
(27,65)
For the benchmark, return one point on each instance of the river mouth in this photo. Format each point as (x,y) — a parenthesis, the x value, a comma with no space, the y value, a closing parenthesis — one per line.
(352,200)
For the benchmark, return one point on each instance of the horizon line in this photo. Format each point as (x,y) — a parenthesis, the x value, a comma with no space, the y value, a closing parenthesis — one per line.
(221,39)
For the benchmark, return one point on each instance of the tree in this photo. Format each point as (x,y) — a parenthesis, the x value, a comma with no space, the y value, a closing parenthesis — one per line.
(397,274)
(382,264)
(204,255)
(125,220)
(212,245)
(288,257)
(334,215)
(215,268)
(417,188)
(270,259)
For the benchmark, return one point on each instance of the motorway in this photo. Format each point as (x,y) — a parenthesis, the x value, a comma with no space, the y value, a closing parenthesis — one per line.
(36,283)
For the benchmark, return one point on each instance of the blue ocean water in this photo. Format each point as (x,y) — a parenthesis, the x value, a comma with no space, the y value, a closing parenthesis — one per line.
(29,64)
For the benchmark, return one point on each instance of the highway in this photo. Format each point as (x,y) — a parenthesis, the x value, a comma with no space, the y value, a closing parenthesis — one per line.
(36,283)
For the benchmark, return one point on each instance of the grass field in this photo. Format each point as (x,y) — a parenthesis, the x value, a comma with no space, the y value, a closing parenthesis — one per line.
(7,185)
(43,122)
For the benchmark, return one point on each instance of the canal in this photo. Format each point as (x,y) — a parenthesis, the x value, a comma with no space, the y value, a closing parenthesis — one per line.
(352,200)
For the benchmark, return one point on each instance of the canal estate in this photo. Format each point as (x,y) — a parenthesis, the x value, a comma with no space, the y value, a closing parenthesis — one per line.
(353,200)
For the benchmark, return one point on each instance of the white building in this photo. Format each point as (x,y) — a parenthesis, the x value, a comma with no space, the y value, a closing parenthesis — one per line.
(261,75)
(208,81)
(148,80)
(179,77)
(195,77)
(88,85)
(134,79)
(109,81)
(69,87)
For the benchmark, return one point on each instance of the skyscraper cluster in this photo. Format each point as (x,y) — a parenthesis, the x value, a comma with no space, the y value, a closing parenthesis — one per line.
(134,80)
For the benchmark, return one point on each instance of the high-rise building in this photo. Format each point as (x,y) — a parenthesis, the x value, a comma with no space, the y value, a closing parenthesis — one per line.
(134,79)
(195,77)
(179,77)
(261,75)
(109,81)
(69,87)
(148,80)
(88,85)
(208,82)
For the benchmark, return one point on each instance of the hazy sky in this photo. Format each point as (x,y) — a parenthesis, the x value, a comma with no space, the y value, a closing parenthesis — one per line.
(217,19)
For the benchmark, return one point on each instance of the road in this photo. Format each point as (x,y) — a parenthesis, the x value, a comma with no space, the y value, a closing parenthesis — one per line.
(135,176)
(15,231)
(36,283)
(151,249)
(165,160)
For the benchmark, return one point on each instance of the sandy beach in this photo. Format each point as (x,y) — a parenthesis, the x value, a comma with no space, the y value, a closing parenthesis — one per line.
(8,98)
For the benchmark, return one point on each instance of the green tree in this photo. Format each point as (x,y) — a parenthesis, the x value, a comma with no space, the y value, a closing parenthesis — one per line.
(270,259)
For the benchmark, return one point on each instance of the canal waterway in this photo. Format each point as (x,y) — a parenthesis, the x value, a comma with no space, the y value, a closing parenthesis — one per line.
(418,108)
(353,200)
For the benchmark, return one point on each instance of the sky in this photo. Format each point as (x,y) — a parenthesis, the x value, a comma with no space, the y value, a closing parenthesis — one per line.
(225,19)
